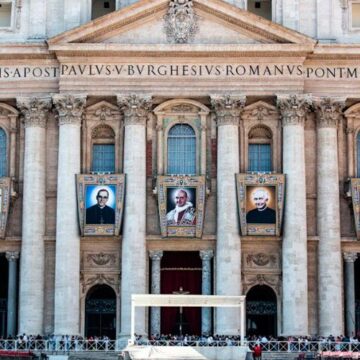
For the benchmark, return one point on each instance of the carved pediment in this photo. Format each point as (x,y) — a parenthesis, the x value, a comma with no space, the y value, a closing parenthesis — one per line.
(169,22)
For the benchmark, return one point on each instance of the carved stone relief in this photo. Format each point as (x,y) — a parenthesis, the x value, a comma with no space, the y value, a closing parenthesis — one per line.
(262,259)
(180,22)
(271,280)
(89,280)
(107,260)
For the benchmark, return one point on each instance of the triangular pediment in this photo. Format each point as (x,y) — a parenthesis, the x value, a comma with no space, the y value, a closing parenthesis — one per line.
(142,24)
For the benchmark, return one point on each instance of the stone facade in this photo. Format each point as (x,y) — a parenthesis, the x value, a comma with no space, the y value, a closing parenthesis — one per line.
(237,79)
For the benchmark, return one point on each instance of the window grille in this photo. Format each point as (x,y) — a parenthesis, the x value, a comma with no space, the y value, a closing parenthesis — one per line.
(3,153)
(260,158)
(103,158)
(181,150)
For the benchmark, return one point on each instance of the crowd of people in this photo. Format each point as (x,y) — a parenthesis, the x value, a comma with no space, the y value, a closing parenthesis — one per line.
(267,343)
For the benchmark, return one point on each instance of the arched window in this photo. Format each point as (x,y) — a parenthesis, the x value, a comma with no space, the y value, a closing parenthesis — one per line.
(3,153)
(181,151)
(259,152)
(101,8)
(261,8)
(103,149)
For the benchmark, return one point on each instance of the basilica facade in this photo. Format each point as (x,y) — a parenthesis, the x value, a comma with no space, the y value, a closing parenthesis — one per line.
(184,146)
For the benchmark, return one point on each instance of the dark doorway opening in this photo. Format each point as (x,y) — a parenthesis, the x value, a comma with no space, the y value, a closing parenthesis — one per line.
(261,311)
(100,312)
(181,270)
(4,274)
(357,296)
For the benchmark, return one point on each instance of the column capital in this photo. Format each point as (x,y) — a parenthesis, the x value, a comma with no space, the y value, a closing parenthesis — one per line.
(135,107)
(350,257)
(156,255)
(206,255)
(12,255)
(328,111)
(35,110)
(294,108)
(70,108)
(228,108)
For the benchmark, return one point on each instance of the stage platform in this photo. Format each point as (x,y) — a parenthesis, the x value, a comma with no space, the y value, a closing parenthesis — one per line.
(186,353)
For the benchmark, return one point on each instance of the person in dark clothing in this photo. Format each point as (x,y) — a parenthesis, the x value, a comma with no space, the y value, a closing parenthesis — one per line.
(262,214)
(100,213)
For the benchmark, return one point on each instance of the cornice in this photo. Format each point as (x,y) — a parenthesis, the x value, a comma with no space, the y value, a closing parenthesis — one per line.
(25,51)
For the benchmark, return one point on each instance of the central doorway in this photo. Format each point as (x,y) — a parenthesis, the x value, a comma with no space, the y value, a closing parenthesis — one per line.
(100,312)
(261,311)
(181,270)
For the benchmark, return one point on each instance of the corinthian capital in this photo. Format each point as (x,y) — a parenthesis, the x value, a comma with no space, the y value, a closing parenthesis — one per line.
(12,255)
(228,108)
(70,108)
(350,257)
(328,111)
(136,108)
(206,255)
(156,255)
(34,110)
(293,108)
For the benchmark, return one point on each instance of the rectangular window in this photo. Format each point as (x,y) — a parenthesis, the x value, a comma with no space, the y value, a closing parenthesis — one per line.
(260,158)
(103,158)
(355,15)
(5,14)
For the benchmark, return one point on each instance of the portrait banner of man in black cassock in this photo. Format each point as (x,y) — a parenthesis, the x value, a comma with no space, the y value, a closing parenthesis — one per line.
(260,205)
(100,200)
(100,204)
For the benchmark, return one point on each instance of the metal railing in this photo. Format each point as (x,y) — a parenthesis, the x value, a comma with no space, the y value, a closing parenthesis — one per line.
(61,345)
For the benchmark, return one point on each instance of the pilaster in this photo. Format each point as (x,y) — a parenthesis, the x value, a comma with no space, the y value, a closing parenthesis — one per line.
(136,109)
(228,247)
(31,303)
(294,109)
(155,257)
(67,267)
(329,112)
(206,256)
(12,257)
(349,259)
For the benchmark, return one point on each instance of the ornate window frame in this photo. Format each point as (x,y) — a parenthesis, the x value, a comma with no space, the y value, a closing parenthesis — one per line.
(263,114)
(9,123)
(181,111)
(102,113)
(352,116)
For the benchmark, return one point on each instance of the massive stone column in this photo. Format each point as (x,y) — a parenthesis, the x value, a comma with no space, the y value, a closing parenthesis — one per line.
(67,267)
(12,257)
(133,280)
(206,256)
(349,259)
(228,247)
(155,257)
(294,109)
(328,113)
(31,303)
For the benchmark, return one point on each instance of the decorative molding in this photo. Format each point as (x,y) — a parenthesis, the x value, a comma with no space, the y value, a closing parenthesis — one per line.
(180,22)
(70,108)
(271,280)
(12,255)
(259,111)
(35,111)
(261,259)
(294,108)
(350,257)
(102,111)
(100,279)
(102,259)
(103,132)
(329,111)
(228,108)
(18,5)
(206,255)
(136,108)
(156,255)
